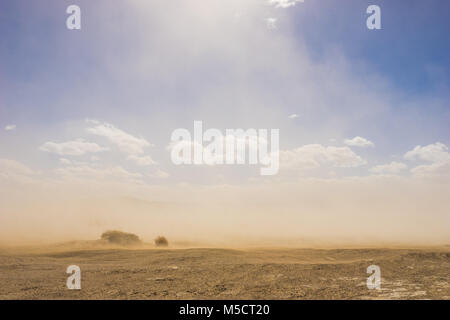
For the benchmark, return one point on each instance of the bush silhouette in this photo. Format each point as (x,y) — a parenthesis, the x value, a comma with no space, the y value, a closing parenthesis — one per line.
(161,242)
(121,238)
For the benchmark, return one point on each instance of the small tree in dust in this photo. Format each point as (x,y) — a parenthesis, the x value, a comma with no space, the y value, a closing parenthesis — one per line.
(121,238)
(161,242)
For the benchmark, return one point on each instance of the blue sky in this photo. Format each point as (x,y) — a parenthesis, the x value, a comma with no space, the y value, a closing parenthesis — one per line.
(100,103)
(413,38)
(411,52)
(52,76)
(411,43)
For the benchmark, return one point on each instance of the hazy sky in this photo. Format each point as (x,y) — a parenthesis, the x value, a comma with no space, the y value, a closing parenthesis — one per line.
(86,118)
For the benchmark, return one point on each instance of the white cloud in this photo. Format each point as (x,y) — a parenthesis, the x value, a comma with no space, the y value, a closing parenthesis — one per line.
(77,147)
(126,142)
(159,174)
(314,155)
(436,152)
(15,171)
(390,168)
(10,127)
(271,23)
(86,172)
(293,116)
(284,3)
(12,166)
(434,170)
(65,161)
(359,142)
(142,160)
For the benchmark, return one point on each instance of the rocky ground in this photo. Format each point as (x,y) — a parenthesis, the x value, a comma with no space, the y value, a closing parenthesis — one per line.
(226,274)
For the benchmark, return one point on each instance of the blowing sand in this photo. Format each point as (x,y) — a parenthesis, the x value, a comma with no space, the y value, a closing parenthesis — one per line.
(113,273)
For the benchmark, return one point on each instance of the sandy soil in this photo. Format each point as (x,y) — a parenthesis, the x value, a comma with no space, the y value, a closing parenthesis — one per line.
(226,274)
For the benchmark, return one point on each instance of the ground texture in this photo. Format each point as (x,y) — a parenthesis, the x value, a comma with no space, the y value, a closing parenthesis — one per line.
(227,274)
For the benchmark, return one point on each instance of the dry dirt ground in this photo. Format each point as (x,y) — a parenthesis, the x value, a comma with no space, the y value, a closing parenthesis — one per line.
(227,274)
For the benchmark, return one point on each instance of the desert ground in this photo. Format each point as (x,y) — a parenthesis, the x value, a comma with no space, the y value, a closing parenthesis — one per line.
(208,273)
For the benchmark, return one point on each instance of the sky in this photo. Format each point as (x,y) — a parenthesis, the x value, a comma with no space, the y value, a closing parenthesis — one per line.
(86,118)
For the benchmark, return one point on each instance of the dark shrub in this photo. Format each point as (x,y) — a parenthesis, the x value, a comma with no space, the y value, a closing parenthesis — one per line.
(121,238)
(161,242)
